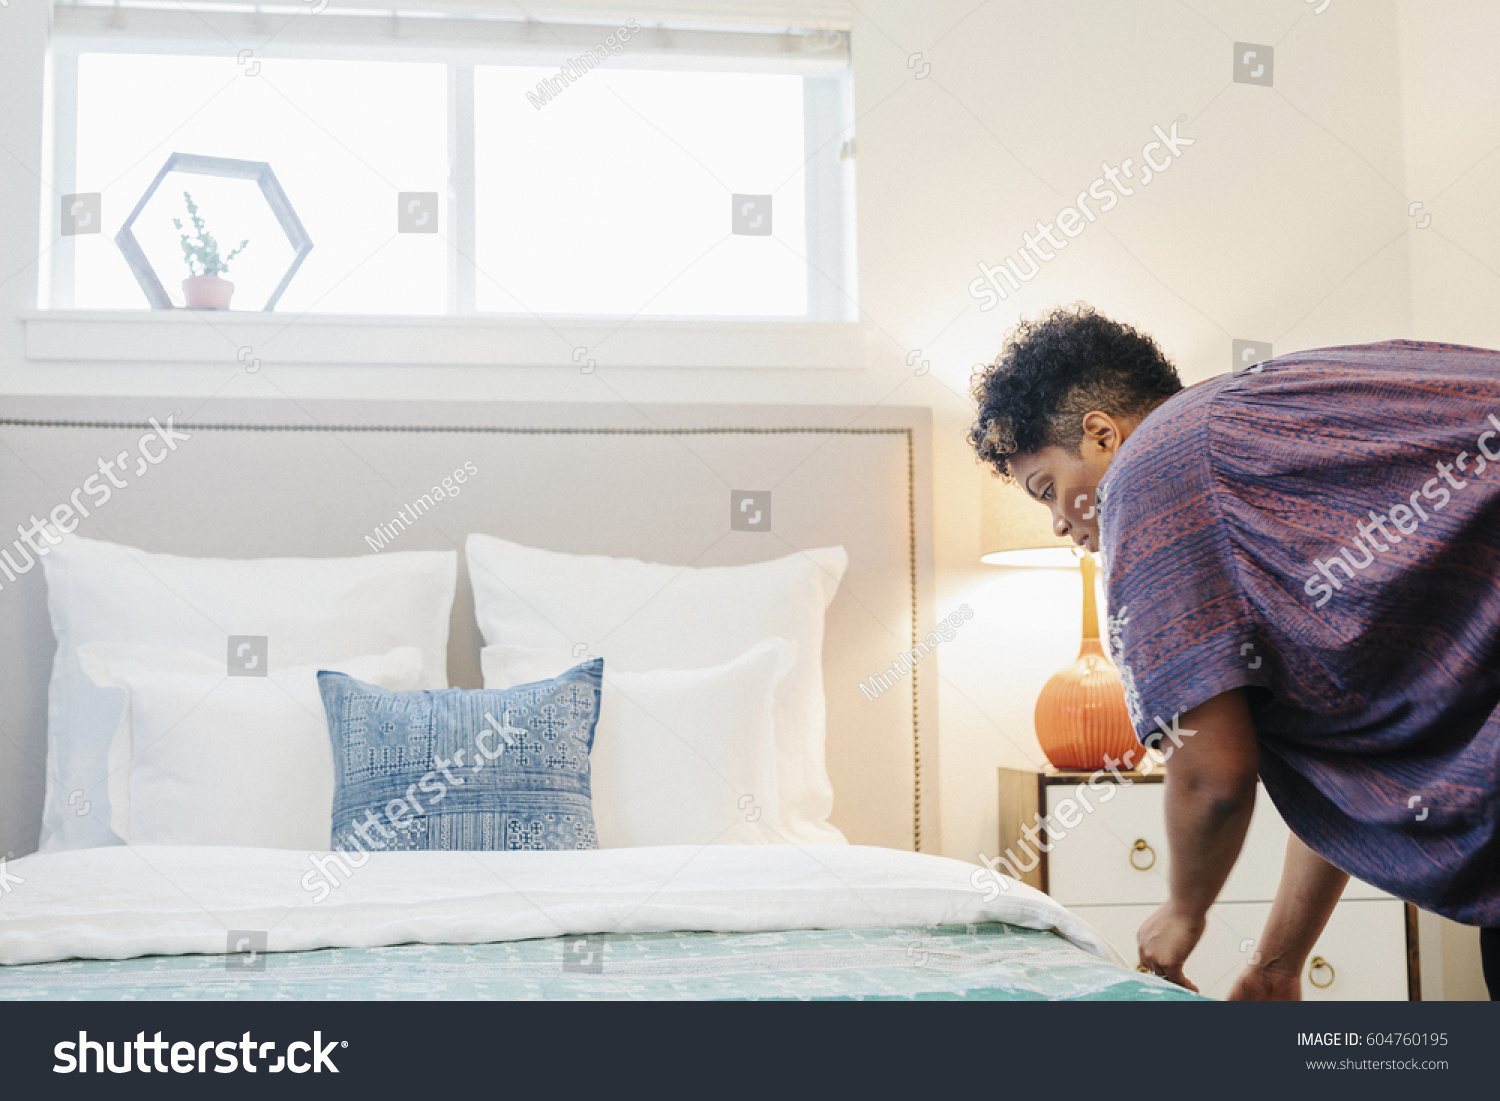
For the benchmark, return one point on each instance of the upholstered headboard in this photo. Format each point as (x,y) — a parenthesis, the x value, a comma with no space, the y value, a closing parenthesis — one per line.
(313,478)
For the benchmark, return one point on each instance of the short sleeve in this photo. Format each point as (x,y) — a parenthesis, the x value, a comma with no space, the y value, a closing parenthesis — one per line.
(1178,627)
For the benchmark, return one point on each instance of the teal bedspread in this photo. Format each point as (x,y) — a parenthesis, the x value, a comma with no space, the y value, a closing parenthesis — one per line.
(957,962)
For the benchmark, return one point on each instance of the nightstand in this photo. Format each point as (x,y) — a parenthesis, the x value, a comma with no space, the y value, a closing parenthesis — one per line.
(1110,866)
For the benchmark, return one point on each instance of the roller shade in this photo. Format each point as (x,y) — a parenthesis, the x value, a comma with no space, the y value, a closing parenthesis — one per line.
(752,34)
(834,15)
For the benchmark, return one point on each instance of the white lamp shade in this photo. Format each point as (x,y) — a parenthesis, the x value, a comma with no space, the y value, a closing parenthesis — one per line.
(1014,530)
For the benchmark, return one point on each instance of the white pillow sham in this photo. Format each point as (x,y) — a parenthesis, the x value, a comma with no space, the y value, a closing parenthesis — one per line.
(641,616)
(680,757)
(210,759)
(313,611)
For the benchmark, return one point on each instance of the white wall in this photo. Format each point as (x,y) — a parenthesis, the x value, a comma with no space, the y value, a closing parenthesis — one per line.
(1451,114)
(1285,221)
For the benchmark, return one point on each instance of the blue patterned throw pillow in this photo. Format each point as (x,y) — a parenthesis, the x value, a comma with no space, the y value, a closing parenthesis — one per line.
(459,769)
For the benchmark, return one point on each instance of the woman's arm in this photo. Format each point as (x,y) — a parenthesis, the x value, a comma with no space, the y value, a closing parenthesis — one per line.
(1210,794)
(1310,888)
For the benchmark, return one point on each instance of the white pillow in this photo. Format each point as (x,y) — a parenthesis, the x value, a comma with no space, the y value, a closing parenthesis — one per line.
(211,759)
(680,757)
(313,611)
(640,616)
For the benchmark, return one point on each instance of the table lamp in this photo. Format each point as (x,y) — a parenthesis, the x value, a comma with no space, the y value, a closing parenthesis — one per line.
(1080,714)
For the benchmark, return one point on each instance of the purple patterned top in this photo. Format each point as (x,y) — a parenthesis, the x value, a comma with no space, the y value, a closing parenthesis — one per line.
(1326,532)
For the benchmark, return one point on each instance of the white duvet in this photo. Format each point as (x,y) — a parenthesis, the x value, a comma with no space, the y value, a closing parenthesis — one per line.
(119,902)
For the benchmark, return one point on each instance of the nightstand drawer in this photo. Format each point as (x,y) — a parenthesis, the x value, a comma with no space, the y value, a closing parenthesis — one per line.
(1363,949)
(1117,854)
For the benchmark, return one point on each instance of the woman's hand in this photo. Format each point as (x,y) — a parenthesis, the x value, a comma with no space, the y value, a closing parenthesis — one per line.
(1310,888)
(1261,984)
(1167,938)
(1209,795)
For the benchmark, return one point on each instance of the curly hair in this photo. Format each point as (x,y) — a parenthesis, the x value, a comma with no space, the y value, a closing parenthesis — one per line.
(1052,372)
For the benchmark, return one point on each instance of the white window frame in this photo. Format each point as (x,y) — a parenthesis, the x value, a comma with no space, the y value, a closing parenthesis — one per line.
(830,335)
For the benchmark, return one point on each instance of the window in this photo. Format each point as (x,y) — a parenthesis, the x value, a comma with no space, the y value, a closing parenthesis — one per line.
(613,200)
(602,193)
(333,131)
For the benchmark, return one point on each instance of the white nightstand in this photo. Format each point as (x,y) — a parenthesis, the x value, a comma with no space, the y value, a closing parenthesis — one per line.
(1111,867)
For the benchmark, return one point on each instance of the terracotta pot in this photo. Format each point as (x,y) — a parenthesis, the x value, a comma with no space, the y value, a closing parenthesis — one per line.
(207,292)
(1081,715)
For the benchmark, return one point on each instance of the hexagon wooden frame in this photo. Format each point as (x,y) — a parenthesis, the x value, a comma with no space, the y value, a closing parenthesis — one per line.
(226,167)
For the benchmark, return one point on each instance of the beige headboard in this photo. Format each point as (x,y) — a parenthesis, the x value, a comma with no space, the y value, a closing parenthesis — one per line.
(313,478)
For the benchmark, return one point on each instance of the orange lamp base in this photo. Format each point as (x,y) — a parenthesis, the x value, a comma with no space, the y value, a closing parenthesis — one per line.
(1081,715)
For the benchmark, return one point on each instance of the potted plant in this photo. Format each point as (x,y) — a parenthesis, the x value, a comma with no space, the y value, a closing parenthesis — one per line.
(203,289)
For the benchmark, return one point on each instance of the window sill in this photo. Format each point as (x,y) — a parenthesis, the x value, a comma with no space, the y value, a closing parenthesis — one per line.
(213,337)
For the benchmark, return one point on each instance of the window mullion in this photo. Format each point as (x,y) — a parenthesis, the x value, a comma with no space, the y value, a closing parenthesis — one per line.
(461,201)
(830,275)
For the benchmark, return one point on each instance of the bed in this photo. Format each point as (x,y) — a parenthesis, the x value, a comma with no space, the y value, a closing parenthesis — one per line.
(879,917)
(722,922)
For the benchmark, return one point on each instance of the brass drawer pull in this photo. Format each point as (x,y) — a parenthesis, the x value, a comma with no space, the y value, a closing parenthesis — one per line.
(1320,964)
(1140,846)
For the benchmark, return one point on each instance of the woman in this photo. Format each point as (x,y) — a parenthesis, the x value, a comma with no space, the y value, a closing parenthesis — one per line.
(1302,564)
